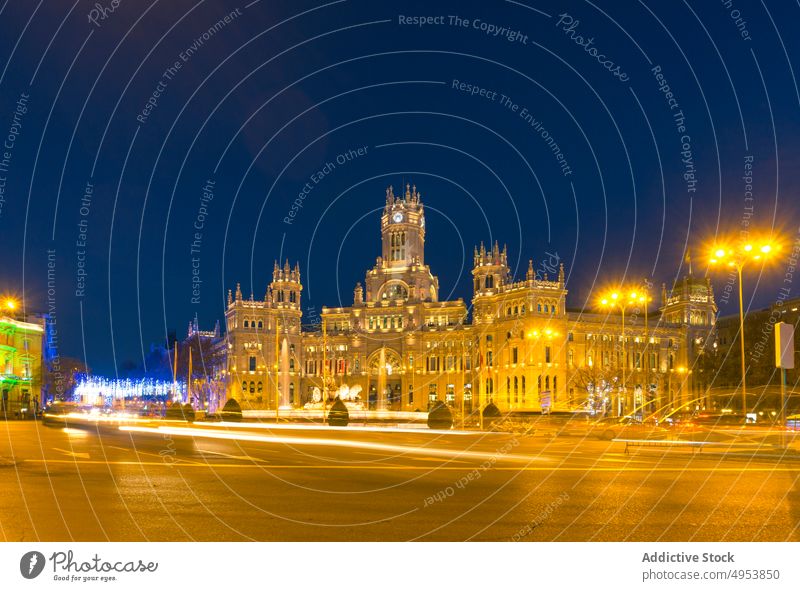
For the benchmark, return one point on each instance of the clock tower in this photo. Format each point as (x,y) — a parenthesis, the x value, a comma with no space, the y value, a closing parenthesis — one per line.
(400,273)
(403,229)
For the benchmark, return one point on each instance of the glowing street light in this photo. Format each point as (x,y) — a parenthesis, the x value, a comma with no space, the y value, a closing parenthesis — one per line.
(10,304)
(622,299)
(746,252)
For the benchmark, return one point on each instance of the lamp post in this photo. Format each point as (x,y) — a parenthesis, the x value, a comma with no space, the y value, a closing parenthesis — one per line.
(621,300)
(736,258)
(644,300)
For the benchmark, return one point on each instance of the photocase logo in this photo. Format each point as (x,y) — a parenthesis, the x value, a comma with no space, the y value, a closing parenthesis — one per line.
(31,564)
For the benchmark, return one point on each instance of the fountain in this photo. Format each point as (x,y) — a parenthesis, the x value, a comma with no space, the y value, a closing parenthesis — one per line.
(350,395)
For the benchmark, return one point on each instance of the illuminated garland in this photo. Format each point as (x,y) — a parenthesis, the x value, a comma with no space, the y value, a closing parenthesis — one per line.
(90,389)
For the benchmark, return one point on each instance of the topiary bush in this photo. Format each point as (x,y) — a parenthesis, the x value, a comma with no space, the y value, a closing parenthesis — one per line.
(440,416)
(491,415)
(232,411)
(188,412)
(338,415)
(178,412)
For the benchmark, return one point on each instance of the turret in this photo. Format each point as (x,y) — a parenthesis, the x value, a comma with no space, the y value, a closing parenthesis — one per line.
(490,269)
(690,302)
(286,287)
(358,295)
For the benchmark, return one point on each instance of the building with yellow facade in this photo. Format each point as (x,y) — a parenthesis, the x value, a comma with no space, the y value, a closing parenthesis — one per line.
(20,367)
(517,344)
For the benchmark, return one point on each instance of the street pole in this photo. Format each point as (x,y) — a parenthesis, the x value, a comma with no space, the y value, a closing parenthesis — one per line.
(784,359)
(463,389)
(783,407)
(481,345)
(624,364)
(741,338)
(646,393)
(277,367)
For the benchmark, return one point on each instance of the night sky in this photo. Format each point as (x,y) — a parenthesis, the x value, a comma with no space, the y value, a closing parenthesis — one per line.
(124,130)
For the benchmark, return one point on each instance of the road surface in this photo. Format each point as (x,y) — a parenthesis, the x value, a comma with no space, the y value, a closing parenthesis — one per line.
(321,484)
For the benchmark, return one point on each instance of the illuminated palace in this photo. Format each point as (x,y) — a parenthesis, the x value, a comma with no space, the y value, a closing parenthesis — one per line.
(521,349)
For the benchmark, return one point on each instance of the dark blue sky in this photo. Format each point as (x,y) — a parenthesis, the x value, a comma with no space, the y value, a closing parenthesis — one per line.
(265,100)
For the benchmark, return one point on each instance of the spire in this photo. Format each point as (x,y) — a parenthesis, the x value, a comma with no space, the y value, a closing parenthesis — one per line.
(238,292)
(286,268)
(688,260)
(230,297)
(389,195)
(408,192)
(561,274)
(530,275)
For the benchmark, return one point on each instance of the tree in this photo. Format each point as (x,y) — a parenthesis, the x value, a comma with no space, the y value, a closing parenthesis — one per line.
(601,385)
(59,377)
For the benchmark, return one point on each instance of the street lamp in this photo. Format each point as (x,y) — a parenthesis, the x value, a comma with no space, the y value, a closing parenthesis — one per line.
(622,299)
(642,298)
(736,257)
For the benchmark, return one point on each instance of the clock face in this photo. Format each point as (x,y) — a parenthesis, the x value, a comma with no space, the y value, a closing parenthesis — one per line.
(397,218)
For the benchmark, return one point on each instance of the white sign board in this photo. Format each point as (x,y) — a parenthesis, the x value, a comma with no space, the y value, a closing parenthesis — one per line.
(784,345)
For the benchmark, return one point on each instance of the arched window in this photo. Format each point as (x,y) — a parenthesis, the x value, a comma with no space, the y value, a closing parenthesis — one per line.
(516,389)
(489,281)
(260,387)
(252,387)
(244,387)
(547,382)
(291,393)
(523,389)
(260,324)
(555,386)
(247,323)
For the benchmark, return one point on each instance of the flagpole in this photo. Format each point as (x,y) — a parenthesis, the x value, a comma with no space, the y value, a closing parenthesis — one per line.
(175,371)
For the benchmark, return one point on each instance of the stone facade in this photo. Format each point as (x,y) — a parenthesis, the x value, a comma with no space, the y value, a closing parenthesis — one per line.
(520,347)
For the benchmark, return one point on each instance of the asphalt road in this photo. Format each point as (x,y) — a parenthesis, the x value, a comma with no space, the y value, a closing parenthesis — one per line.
(300,484)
